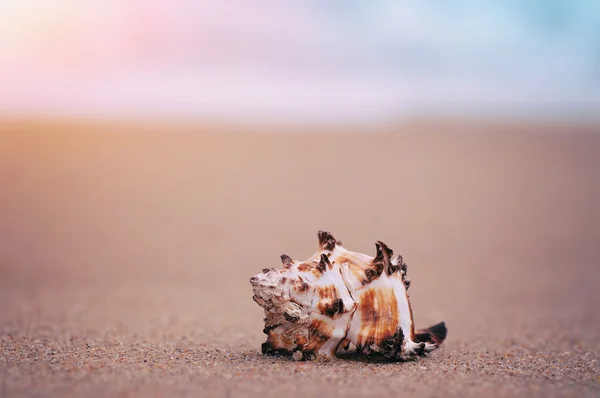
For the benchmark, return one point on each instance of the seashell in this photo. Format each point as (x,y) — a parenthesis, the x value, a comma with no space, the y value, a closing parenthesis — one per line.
(338,298)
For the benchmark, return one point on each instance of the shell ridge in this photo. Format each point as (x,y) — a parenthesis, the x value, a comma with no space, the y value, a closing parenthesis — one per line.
(338,297)
(337,305)
(349,289)
(354,308)
(335,297)
(392,338)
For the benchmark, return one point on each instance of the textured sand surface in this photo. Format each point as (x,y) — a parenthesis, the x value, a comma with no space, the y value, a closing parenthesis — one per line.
(125,257)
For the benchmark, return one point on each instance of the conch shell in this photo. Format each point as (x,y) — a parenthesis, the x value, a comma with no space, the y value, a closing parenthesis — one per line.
(336,298)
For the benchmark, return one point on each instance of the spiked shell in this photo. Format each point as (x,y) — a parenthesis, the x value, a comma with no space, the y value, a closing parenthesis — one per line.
(337,298)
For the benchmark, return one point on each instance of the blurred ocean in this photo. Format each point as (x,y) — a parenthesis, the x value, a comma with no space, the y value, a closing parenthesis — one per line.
(311,60)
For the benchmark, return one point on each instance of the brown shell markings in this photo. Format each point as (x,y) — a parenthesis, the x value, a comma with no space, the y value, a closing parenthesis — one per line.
(339,298)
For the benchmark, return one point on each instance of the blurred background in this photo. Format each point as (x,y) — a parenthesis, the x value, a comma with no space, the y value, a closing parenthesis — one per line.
(335,61)
(156,154)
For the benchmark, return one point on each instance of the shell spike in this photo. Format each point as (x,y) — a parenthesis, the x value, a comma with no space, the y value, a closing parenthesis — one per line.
(383,258)
(398,264)
(285,259)
(327,241)
(324,263)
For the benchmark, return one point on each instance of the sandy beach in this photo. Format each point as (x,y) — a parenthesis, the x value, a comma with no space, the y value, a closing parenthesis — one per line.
(126,253)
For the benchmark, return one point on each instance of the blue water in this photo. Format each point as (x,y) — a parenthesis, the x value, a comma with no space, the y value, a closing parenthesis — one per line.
(541,53)
(339,60)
